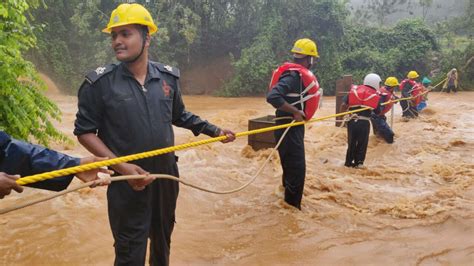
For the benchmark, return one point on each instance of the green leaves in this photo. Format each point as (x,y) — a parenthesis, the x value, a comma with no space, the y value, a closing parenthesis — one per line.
(388,51)
(24,111)
(282,24)
(257,33)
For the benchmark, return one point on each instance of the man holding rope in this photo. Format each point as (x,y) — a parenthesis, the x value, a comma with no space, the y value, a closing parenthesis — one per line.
(130,108)
(379,121)
(358,127)
(291,84)
(410,88)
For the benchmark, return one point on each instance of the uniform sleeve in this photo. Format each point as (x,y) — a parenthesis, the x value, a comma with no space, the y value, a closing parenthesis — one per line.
(276,96)
(90,109)
(379,105)
(188,120)
(27,159)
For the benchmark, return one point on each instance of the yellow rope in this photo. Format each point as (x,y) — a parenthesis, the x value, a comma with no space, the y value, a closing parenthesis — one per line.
(159,176)
(85,167)
(439,83)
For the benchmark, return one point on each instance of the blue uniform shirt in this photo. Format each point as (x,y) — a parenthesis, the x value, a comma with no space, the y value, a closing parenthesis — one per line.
(21,158)
(130,118)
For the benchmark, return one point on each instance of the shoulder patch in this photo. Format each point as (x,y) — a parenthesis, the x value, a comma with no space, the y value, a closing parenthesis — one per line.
(99,72)
(167,69)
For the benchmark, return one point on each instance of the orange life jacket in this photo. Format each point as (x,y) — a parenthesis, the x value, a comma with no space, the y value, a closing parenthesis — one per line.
(363,96)
(310,94)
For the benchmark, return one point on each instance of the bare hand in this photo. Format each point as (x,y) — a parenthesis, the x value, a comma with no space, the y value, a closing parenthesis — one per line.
(229,134)
(92,175)
(133,169)
(7,183)
(299,116)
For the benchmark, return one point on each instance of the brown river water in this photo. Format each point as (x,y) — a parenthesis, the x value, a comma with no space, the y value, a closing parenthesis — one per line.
(413,205)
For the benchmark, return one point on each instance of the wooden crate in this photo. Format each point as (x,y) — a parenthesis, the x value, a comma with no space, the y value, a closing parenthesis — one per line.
(263,140)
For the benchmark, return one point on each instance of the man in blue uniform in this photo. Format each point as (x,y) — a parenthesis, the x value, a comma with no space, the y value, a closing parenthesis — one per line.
(130,108)
(283,96)
(18,158)
(379,121)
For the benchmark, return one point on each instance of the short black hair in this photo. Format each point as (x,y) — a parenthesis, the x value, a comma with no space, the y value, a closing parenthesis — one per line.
(143,30)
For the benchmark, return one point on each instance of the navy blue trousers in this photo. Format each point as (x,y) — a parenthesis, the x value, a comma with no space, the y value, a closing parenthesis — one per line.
(357,141)
(135,216)
(292,157)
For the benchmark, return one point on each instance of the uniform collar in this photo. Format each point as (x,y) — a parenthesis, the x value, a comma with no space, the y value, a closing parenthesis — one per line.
(152,72)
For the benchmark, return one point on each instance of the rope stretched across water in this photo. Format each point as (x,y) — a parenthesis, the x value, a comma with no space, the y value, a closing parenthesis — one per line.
(81,168)
(90,166)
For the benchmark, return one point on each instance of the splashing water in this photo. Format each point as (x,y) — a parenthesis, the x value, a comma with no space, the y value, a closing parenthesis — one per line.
(414,204)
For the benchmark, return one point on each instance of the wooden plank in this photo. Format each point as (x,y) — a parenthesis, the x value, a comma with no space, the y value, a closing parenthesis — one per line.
(342,88)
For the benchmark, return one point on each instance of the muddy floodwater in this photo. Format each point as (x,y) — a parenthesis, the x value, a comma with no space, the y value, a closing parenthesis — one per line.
(413,205)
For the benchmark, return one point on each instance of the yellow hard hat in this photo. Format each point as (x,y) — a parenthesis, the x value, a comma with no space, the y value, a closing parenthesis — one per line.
(412,75)
(305,47)
(391,82)
(126,14)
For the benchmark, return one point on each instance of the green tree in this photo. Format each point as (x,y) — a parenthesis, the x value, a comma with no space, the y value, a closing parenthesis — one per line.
(388,51)
(24,111)
(282,22)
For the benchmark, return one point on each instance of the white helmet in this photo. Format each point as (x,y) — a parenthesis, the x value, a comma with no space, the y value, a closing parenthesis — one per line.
(373,80)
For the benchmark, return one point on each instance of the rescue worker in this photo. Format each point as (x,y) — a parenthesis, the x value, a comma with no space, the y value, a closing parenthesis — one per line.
(410,88)
(294,92)
(129,108)
(451,82)
(358,127)
(379,121)
(425,87)
(18,158)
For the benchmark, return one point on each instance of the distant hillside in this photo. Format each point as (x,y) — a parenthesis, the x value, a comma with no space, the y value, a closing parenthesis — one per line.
(440,10)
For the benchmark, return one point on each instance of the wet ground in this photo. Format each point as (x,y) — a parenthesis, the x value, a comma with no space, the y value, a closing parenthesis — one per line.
(413,205)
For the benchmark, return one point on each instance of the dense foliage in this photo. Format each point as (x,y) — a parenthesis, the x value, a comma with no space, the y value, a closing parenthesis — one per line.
(389,51)
(255,34)
(65,42)
(24,111)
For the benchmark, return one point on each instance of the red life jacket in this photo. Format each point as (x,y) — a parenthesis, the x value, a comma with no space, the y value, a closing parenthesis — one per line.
(388,97)
(310,95)
(416,90)
(363,96)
